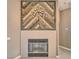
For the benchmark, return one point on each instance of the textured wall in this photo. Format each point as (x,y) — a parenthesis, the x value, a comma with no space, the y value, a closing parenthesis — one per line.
(65,28)
(38,15)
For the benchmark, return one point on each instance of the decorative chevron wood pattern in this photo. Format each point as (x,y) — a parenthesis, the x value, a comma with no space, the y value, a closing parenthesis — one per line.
(38,15)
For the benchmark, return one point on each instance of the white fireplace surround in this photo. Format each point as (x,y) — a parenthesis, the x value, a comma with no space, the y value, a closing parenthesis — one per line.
(50,35)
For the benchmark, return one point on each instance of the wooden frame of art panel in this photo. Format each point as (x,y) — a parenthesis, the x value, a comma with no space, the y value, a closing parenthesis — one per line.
(38,15)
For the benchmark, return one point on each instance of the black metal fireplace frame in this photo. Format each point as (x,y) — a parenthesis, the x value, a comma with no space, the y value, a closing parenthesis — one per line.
(38,54)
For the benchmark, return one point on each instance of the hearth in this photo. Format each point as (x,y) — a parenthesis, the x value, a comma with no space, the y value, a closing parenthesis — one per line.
(38,47)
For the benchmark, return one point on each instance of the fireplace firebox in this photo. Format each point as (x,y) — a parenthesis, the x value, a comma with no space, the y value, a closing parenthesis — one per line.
(38,47)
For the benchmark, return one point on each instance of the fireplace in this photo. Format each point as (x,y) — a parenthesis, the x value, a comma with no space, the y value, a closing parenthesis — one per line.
(30,40)
(38,47)
(38,28)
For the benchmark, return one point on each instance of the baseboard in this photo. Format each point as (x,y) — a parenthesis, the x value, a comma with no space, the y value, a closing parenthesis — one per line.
(64,48)
(18,57)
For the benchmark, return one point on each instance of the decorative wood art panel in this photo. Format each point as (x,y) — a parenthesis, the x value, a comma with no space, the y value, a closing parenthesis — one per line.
(38,15)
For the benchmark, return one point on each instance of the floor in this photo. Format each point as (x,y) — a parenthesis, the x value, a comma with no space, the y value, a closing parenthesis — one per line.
(63,54)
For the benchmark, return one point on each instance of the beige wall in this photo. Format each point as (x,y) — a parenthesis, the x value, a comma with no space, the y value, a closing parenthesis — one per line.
(13,45)
(65,28)
(57,25)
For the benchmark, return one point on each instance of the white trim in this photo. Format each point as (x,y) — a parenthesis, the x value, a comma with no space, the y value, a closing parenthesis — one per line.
(64,48)
(18,57)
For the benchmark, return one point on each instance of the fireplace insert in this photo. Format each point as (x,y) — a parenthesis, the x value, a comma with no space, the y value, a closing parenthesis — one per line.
(38,47)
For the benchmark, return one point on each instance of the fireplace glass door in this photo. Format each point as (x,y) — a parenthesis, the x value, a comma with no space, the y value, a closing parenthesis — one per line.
(37,47)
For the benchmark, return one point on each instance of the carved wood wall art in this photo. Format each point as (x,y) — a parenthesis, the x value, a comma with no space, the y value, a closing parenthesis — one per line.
(38,15)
